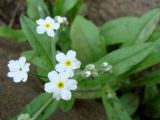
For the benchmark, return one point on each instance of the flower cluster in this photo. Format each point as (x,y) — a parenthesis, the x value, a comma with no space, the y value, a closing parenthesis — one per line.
(91,70)
(50,25)
(60,83)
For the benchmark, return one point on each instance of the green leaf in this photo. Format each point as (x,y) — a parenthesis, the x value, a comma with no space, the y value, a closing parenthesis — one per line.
(149,79)
(152,108)
(79,9)
(41,44)
(43,74)
(41,107)
(146,25)
(130,30)
(86,40)
(119,30)
(130,102)
(151,59)
(10,33)
(37,60)
(114,108)
(66,106)
(155,35)
(63,6)
(36,9)
(64,40)
(68,5)
(150,92)
(124,59)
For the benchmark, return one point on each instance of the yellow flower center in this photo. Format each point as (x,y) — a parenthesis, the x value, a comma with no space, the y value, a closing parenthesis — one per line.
(60,85)
(47,25)
(68,63)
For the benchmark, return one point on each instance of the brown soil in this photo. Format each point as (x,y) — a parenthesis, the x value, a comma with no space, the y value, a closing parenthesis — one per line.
(13,97)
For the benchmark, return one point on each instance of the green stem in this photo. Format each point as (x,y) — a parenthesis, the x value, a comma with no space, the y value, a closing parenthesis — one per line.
(41,109)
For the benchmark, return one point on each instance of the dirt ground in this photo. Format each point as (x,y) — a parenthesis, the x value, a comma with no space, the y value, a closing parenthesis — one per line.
(13,97)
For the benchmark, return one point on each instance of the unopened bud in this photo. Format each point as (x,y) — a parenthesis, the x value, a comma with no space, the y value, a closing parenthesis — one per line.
(105,64)
(110,96)
(106,67)
(90,67)
(65,21)
(23,117)
(87,74)
(95,74)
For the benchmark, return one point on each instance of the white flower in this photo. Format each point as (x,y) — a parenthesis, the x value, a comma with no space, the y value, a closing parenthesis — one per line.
(18,70)
(60,85)
(61,20)
(68,62)
(47,25)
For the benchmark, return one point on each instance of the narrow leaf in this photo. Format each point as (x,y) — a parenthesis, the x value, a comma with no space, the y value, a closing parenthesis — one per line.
(10,33)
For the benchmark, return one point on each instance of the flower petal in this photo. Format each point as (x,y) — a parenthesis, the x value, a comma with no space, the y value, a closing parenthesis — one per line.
(13,65)
(19,76)
(48,19)
(22,60)
(70,72)
(64,76)
(53,76)
(26,67)
(11,74)
(76,64)
(50,32)
(60,57)
(60,67)
(17,79)
(49,87)
(71,84)
(57,94)
(56,26)
(40,22)
(71,55)
(40,30)
(66,94)
(25,77)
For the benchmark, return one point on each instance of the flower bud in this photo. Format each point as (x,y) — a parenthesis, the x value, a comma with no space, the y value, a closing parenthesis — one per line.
(23,117)
(90,67)
(87,74)
(109,95)
(108,68)
(105,67)
(105,64)
(95,73)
